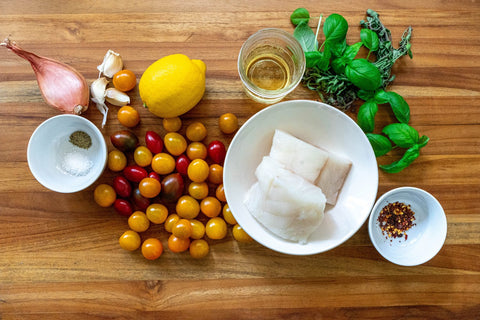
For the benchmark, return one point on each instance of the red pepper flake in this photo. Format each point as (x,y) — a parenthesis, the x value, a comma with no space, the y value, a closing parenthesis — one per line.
(395,219)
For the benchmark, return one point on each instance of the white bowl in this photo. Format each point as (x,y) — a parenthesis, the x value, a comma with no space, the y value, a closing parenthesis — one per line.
(425,238)
(318,124)
(58,164)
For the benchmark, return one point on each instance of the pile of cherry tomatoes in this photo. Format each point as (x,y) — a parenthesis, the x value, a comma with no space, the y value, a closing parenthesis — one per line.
(174,181)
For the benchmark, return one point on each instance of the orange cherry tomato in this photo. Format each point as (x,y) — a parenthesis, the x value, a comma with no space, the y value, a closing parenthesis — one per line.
(196,150)
(163,163)
(240,235)
(129,240)
(198,170)
(196,131)
(175,143)
(157,213)
(124,80)
(215,174)
(117,160)
(182,229)
(104,195)
(128,116)
(199,248)
(172,124)
(227,215)
(142,156)
(211,207)
(198,190)
(228,123)
(198,229)
(138,221)
(149,187)
(220,193)
(216,228)
(187,207)
(171,221)
(178,244)
(152,248)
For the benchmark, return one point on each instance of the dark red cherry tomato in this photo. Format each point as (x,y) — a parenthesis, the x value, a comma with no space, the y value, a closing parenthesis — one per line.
(135,173)
(181,164)
(124,140)
(154,175)
(153,142)
(217,151)
(123,207)
(172,187)
(140,201)
(122,186)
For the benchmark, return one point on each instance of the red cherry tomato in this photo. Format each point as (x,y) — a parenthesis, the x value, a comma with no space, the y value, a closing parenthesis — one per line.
(153,142)
(123,207)
(172,187)
(217,151)
(140,201)
(182,164)
(122,186)
(154,175)
(135,173)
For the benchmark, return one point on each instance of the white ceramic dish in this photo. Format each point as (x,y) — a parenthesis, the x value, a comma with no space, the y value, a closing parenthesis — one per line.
(318,124)
(425,239)
(49,146)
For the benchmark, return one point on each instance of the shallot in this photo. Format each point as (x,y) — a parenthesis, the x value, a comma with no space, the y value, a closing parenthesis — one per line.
(61,86)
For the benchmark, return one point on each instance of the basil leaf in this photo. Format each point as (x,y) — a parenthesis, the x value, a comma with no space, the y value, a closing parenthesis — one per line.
(336,48)
(381,96)
(325,61)
(366,95)
(335,28)
(351,51)
(380,144)
(305,36)
(401,134)
(363,74)
(369,39)
(338,65)
(299,15)
(400,107)
(312,58)
(422,142)
(366,116)
(409,156)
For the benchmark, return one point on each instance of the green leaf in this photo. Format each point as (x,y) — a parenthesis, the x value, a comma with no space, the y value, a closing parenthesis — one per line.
(400,107)
(336,48)
(335,28)
(338,65)
(299,15)
(351,51)
(366,95)
(380,144)
(363,74)
(401,134)
(366,116)
(313,58)
(409,156)
(422,142)
(305,36)
(381,96)
(369,39)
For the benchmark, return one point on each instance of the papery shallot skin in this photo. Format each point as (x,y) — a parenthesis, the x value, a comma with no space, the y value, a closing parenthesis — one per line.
(61,85)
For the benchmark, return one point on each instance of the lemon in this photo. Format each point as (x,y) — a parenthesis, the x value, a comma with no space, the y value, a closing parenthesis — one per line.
(172,85)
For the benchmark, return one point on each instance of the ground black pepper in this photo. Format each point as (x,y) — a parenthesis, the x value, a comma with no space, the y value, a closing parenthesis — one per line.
(395,219)
(81,139)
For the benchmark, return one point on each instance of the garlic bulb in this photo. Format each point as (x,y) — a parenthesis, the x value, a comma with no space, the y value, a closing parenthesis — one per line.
(97,89)
(112,63)
(117,97)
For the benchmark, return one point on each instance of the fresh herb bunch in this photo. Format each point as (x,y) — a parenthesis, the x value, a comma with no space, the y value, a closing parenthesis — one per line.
(341,79)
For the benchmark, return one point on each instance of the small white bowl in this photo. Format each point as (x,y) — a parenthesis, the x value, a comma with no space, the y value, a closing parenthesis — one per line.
(60,165)
(425,238)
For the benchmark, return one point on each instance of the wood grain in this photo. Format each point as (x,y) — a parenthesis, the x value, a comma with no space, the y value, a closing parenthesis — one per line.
(59,252)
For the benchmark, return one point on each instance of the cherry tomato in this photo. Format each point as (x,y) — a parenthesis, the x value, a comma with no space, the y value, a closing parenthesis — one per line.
(124,80)
(178,244)
(182,163)
(199,249)
(123,207)
(220,193)
(215,174)
(216,228)
(124,140)
(172,187)
(104,195)
(128,116)
(142,156)
(227,215)
(129,240)
(149,187)
(211,207)
(175,143)
(198,190)
(198,229)
(170,222)
(134,173)
(228,123)
(196,150)
(140,201)
(153,142)
(117,160)
(217,151)
(122,186)
(196,131)
(152,248)
(187,207)
(172,124)
(240,235)
(163,163)
(157,213)
(138,221)
(182,229)
(198,170)
(154,175)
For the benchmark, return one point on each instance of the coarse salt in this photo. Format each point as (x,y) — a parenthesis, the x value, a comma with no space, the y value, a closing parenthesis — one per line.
(76,163)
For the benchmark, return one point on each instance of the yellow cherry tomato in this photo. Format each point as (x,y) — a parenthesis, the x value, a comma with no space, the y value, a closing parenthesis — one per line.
(117,161)
(124,80)
(196,131)
(227,215)
(178,244)
(152,248)
(142,156)
(198,190)
(149,187)
(240,235)
(172,124)
(215,174)
(211,207)
(228,123)
(104,195)
(216,228)
(138,221)
(199,248)
(198,170)
(220,193)
(196,150)
(129,240)
(170,222)
(182,229)
(187,207)
(175,143)
(157,213)
(128,116)
(198,229)
(163,163)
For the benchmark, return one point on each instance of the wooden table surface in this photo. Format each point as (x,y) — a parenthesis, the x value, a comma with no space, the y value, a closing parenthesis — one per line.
(59,253)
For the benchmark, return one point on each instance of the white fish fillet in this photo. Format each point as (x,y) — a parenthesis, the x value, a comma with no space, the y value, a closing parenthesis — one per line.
(333,176)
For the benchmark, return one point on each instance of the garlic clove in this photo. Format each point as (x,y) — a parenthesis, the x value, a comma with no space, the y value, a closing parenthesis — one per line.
(112,63)
(116,97)
(97,90)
